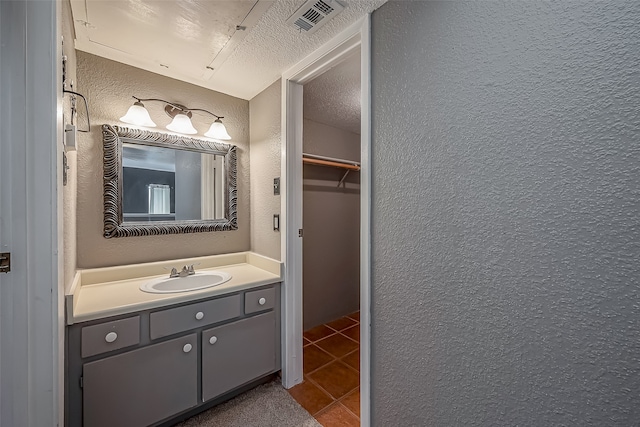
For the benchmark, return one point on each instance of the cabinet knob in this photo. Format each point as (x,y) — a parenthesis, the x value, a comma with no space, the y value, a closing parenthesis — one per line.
(111,337)
(199,315)
(213,340)
(262,301)
(187,348)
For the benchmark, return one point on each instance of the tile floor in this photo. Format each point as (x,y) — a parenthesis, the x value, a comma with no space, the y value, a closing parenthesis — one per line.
(331,364)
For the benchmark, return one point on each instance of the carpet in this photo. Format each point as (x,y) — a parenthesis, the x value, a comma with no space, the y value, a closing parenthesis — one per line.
(268,405)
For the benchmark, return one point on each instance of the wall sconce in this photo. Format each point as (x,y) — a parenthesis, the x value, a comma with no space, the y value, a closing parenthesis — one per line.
(181,115)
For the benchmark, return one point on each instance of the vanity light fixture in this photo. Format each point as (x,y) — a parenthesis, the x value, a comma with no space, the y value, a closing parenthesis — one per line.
(181,123)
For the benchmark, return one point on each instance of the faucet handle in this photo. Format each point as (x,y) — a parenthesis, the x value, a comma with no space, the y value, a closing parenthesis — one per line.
(190,269)
(173,273)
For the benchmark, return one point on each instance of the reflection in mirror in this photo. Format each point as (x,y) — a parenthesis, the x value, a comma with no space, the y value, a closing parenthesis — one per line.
(162,184)
(157,183)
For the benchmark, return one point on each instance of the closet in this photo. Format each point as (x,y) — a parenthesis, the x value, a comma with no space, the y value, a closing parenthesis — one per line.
(331,223)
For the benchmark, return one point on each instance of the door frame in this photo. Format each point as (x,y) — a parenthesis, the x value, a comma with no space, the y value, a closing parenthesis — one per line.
(31,319)
(355,37)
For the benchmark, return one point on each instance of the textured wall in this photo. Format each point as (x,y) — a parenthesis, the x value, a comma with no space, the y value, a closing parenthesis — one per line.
(506,213)
(331,222)
(109,86)
(69,192)
(266,151)
(333,97)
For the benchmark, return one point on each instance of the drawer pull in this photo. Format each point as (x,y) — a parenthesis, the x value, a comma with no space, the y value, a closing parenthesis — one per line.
(199,315)
(187,348)
(111,337)
(213,340)
(262,301)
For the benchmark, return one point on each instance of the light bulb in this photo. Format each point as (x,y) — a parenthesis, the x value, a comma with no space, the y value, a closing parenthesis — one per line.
(217,131)
(138,115)
(181,123)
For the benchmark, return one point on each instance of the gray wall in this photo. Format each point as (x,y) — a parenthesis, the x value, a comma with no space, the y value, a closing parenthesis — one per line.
(108,86)
(331,222)
(506,220)
(266,150)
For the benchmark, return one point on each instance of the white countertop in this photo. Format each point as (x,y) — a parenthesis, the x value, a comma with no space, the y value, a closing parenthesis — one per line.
(100,293)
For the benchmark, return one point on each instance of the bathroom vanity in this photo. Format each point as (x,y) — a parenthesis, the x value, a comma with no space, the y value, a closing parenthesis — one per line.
(139,359)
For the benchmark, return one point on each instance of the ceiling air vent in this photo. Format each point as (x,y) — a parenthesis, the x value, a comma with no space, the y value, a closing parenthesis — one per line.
(314,14)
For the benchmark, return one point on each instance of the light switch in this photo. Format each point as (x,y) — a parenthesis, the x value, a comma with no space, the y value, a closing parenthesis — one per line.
(276,222)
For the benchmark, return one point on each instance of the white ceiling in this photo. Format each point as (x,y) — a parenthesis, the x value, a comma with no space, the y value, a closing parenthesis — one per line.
(333,98)
(148,157)
(180,39)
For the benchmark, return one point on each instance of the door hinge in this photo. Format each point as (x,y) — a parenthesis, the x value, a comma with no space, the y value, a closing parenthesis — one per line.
(5,262)
(65,168)
(81,382)
(276,186)
(300,232)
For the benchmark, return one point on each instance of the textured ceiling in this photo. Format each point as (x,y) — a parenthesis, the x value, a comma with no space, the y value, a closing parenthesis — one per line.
(333,98)
(250,62)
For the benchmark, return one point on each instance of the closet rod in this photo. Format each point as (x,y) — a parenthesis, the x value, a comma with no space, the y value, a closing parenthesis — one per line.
(330,163)
(331,159)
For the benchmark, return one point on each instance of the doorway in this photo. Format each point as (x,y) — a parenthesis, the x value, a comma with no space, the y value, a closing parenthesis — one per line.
(345,45)
(331,253)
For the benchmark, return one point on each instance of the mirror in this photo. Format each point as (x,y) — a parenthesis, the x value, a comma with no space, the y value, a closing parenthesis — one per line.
(165,184)
(156,183)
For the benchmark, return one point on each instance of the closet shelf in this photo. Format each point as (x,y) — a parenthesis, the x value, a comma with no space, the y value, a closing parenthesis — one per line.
(349,165)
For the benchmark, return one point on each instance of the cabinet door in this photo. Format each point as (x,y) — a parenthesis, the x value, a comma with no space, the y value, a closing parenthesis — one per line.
(142,386)
(237,353)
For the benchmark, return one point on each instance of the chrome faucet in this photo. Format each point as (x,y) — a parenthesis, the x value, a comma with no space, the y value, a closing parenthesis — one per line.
(187,270)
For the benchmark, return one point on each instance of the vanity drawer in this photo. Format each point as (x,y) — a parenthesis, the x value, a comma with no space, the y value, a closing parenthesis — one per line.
(110,336)
(168,322)
(261,300)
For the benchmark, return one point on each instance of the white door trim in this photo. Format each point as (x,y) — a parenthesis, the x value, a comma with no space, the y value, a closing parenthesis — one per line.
(357,36)
(365,224)
(30,363)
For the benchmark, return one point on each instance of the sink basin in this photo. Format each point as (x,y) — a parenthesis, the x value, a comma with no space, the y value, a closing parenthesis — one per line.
(200,280)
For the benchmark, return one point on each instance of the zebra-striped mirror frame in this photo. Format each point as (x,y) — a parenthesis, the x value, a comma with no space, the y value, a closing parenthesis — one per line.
(113,138)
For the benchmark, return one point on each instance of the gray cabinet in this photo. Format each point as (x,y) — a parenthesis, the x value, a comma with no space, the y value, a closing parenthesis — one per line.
(176,320)
(236,353)
(143,386)
(110,336)
(261,300)
(157,366)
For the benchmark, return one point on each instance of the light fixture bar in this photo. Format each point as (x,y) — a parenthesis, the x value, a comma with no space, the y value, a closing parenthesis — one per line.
(178,106)
(214,115)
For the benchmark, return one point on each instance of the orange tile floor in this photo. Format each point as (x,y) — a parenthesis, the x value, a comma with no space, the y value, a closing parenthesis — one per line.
(331,364)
